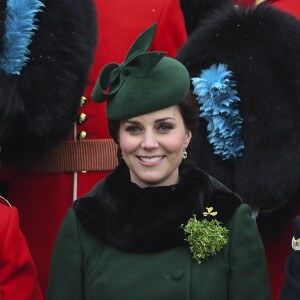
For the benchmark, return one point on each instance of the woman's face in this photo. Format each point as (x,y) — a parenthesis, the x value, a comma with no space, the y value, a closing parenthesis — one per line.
(152,146)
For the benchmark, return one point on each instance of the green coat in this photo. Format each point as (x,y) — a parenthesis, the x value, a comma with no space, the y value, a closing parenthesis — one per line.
(86,268)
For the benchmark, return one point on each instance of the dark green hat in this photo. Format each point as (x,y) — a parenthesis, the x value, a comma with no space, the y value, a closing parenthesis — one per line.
(143,83)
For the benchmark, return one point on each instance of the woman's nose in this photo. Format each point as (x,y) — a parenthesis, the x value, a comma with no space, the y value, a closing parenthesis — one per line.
(149,141)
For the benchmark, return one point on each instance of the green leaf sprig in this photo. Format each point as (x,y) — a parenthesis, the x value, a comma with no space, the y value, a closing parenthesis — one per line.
(205,237)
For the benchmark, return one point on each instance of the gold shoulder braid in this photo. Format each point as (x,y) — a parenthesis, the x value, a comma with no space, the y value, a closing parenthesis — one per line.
(296,244)
(4,201)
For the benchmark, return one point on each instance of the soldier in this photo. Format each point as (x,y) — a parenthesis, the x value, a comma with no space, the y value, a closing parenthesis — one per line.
(45,189)
(261,49)
(46,52)
(291,288)
(18,276)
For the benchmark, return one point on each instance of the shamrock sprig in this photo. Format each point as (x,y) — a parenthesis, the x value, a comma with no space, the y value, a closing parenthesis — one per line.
(206,237)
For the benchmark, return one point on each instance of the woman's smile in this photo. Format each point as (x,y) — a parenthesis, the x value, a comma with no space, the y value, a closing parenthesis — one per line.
(150,159)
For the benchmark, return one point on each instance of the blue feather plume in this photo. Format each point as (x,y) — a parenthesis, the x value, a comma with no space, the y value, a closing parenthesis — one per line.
(19,30)
(215,91)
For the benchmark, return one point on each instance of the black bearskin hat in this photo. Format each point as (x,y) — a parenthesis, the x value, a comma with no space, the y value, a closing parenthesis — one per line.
(38,103)
(261,47)
(2,18)
(195,10)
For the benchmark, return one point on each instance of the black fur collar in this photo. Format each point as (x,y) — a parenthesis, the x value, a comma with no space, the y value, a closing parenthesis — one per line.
(136,219)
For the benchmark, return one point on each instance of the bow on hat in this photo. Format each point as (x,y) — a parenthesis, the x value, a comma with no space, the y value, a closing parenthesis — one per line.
(138,63)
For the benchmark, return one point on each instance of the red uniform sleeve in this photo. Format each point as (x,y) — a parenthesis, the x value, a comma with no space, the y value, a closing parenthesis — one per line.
(289,6)
(18,276)
(245,3)
(171,32)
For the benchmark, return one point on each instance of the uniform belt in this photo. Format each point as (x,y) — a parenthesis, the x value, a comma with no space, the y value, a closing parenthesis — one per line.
(76,156)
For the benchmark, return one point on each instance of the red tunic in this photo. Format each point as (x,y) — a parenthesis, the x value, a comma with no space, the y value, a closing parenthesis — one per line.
(44,198)
(18,276)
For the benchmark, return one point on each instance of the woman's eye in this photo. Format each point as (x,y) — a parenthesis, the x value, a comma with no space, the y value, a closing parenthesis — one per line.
(165,127)
(133,129)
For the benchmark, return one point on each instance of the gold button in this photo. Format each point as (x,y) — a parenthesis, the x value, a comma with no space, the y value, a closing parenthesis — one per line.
(82,101)
(82,135)
(81,118)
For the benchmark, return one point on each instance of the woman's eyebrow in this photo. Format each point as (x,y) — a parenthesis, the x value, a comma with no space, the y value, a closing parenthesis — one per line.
(131,122)
(164,119)
(156,121)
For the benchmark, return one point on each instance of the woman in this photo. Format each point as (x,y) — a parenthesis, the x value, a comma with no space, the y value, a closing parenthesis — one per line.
(18,276)
(129,237)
